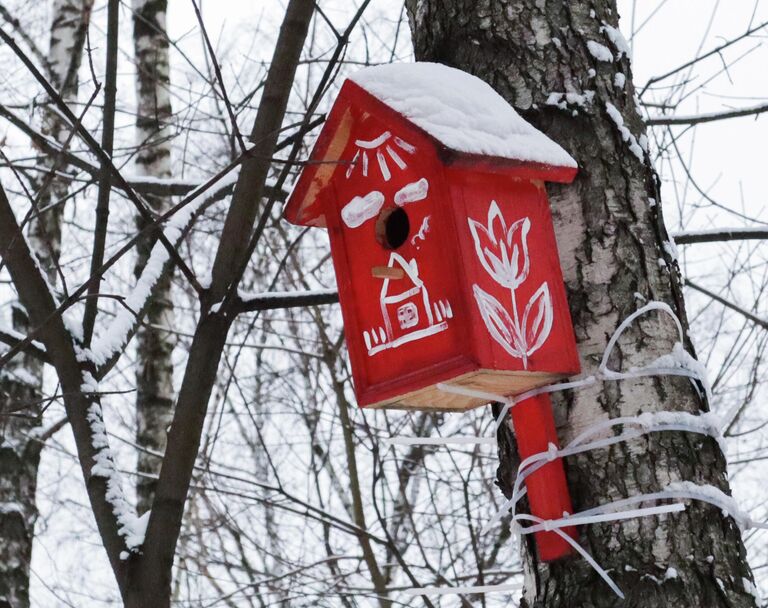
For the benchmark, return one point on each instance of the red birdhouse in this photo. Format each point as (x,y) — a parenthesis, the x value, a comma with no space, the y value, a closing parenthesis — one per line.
(432,189)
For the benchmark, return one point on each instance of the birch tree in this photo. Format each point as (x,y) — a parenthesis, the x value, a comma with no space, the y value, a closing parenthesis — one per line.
(21,403)
(154,346)
(565,67)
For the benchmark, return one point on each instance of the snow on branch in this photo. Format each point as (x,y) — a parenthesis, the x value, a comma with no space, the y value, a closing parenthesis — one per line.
(130,527)
(12,338)
(635,146)
(116,334)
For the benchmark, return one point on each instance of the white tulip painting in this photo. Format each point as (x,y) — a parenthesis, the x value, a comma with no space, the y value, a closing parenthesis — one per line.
(503,253)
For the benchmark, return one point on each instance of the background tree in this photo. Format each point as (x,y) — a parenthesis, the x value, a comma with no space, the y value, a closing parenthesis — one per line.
(154,346)
(21,402)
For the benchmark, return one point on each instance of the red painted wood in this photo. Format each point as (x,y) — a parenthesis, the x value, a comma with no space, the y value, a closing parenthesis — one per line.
(481,284)
(474,196)
(398,364)
(547,488)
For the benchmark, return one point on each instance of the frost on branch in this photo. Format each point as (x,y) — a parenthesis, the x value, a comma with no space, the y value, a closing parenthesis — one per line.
(114,337)
(130,527)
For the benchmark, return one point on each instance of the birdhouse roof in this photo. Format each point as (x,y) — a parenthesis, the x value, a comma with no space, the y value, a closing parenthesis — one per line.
(460,111)
(461,114)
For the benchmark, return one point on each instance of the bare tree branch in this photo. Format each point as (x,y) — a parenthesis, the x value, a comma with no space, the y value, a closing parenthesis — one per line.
(105,177)
(728,304)
(154,567)
(711,117)
(286,299)
(690,237)
(706,55)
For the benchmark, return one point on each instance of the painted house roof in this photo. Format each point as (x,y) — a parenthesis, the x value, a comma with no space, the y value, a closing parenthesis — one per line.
(460,111)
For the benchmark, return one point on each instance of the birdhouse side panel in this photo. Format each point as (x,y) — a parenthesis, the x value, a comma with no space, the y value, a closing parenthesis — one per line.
(519,308)
(395,255)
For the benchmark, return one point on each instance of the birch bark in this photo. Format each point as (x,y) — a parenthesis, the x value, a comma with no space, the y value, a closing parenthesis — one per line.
(154,347)
(611,238)
(21,381)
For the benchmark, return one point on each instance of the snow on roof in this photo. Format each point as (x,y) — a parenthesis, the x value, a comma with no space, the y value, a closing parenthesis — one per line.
(459,110)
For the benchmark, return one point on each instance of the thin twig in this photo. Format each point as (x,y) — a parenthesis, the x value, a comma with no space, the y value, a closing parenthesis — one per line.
(702,118)
(105,180)
(728,304)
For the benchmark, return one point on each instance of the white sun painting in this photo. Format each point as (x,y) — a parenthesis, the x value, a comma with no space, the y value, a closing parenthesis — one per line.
(381,151)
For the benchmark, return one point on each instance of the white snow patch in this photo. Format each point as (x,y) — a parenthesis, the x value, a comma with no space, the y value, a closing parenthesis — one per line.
(477,120)
(671,248)
(720,584)
(556,99)
(618,40)
(750,588)
(114,337)
(619,80)
(626,135)
(671,573)
(599,51)
(89,385)
(73,322)
(561,100)
(130,527)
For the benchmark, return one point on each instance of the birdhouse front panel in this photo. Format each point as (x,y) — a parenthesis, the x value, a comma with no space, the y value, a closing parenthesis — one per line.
(397,260)
(519,312)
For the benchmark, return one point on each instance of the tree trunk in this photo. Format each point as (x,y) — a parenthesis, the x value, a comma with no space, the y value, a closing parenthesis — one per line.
(612,249)
(21,382)
(154,347)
